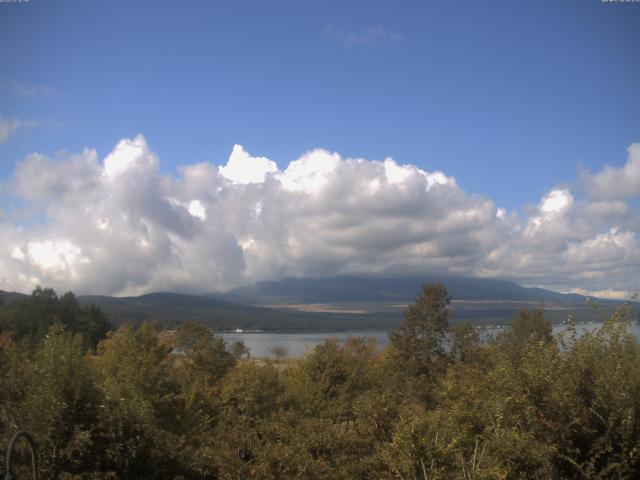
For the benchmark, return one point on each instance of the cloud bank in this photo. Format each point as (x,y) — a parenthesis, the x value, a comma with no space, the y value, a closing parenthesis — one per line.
(117,225)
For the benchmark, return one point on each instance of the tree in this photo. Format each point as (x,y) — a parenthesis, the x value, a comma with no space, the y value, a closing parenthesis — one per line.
(249,398)
(140,423)
(466,345)
(208,358)
(32,316)
(329,378)
(279,352)
(51,393)
(238,349)
(419,341)
(527,326)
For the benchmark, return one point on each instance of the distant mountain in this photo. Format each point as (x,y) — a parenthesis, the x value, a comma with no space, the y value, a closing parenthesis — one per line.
(174,308)
(171,309)
(363,289)
(338,303)
(6,297)
(475,300)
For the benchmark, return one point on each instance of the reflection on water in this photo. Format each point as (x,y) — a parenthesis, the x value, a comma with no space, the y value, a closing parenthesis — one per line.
(297,344)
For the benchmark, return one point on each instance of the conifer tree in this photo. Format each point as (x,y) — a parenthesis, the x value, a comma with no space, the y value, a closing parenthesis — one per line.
(419,341)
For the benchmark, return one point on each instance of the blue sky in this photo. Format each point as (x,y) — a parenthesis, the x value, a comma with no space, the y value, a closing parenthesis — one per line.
(533,107)
(508,97)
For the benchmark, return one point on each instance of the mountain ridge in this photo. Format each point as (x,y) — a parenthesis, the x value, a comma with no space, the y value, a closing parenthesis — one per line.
(336,303)
(357,288)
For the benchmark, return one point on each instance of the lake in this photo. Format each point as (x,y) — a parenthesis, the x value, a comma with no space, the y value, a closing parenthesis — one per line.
(297,344)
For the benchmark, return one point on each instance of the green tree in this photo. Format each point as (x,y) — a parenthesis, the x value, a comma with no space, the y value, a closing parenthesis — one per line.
(250,397)
(206,356)
(328,379)
(527,327)
(141,419)
(31,317)
(51,393)
(420,338)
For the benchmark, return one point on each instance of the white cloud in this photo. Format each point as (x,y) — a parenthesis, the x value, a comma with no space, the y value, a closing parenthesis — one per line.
(197,209)
(119,226)
(8,127)
(129,155)
(39,178)
(56,255)
(556,202)
(616,183)
(614,294)
(310,172)
(17,253)
(549,222)
(603,250)
(243,168)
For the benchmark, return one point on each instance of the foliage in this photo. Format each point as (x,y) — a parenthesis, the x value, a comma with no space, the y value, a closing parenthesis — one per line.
(419,340)
(438,403)
(32,316)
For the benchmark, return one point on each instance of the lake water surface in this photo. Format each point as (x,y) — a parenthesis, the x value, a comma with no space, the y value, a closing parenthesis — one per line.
(297,344)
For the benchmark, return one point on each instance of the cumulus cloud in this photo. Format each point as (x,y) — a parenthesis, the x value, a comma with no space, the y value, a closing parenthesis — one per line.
(118,226)
(41,179)
(130,157)
(243,168)
(616,183)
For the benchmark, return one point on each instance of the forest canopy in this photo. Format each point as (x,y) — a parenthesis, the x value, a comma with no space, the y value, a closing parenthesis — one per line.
(440,402)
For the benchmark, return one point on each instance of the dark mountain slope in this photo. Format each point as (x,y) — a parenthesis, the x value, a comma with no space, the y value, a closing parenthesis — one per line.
(337,303)
(173,308)
(361,289)
(6,297)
